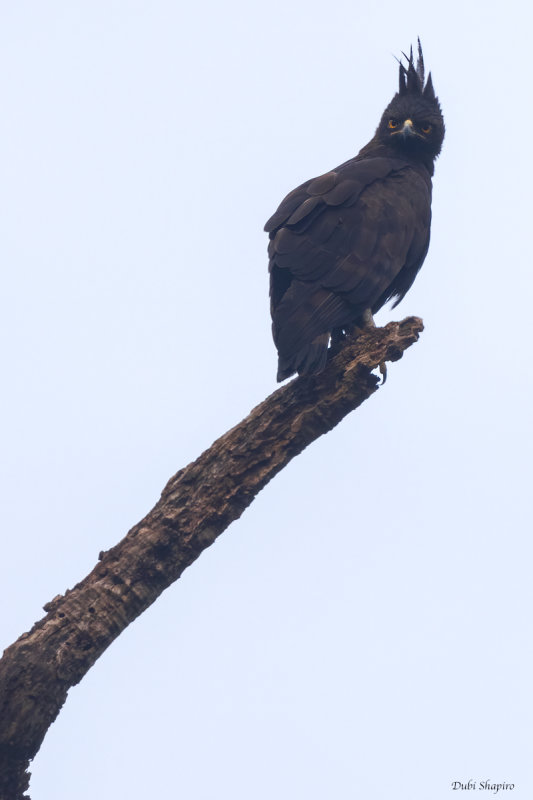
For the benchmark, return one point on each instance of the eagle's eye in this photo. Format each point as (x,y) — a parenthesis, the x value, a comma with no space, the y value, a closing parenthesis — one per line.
(425,127)
(393,123)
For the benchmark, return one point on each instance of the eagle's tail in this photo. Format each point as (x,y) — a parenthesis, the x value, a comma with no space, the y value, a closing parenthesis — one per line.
(309,360)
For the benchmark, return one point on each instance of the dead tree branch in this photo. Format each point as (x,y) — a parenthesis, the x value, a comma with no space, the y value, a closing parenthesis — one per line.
(196,505)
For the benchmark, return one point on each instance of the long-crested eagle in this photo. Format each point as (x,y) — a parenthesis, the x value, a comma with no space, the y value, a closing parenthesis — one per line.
(343,244)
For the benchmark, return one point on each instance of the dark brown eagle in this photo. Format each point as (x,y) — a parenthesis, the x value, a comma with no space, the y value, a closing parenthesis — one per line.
(343,244)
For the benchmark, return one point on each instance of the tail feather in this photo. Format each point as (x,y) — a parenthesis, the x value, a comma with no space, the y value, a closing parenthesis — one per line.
(309,360)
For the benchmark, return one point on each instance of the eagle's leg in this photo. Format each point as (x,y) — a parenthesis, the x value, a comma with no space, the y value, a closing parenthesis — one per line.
(338,336)
(367,319)
(368,322)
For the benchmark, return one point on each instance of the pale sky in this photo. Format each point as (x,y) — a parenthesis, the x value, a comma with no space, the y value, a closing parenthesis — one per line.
(363,631)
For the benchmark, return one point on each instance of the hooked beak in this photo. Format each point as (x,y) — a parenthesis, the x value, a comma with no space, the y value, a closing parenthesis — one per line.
(408,129)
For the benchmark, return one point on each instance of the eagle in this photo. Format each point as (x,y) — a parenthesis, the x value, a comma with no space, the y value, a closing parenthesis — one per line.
(343,244)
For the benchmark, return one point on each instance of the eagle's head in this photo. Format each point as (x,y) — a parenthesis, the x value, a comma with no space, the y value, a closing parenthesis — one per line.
(413,122)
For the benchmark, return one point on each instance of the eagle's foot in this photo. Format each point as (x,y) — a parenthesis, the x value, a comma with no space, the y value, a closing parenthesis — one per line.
(367,321)
(339,336)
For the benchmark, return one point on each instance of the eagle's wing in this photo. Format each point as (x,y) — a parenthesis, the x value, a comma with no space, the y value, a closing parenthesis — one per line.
(346,241)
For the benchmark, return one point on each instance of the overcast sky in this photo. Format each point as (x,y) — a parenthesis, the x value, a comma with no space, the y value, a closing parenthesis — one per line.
(363,631)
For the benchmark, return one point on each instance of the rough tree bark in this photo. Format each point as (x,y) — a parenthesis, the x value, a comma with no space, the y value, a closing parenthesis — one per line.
(196,505)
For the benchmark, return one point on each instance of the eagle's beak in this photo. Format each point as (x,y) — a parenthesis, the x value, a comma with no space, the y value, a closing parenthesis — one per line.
(408,129)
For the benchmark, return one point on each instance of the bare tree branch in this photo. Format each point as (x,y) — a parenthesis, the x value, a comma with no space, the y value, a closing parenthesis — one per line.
(196,505)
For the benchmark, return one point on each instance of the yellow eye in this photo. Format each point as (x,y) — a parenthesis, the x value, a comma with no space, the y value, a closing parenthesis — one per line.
(393,123)
(426,128)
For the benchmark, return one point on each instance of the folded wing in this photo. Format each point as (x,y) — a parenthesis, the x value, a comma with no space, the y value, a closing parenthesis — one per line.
(344,242)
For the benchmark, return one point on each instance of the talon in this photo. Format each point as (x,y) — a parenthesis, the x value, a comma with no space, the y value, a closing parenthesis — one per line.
(383,370)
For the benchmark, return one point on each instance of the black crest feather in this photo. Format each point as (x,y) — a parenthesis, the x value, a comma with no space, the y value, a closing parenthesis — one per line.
(412,76)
